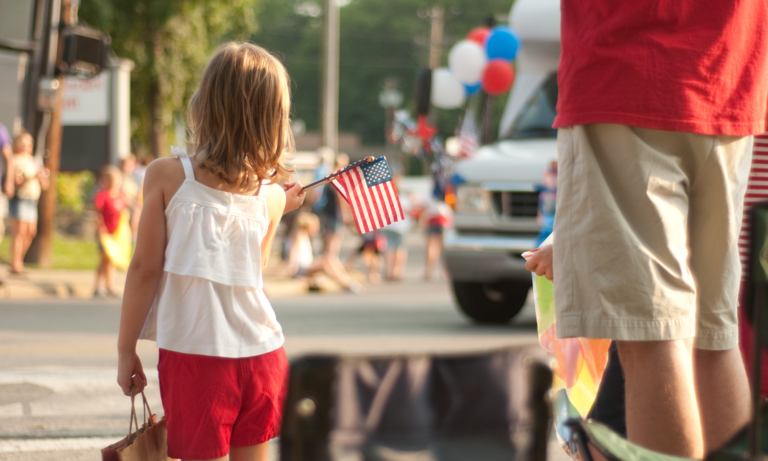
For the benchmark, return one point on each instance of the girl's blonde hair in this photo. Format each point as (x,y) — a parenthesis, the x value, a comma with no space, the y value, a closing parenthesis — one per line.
(240,115)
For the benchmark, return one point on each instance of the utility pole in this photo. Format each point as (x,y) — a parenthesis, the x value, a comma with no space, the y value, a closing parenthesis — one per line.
(330,79)
(437,17)
(41,250)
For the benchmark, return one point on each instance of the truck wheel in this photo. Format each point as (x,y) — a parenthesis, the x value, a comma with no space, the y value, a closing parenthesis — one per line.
(495,302)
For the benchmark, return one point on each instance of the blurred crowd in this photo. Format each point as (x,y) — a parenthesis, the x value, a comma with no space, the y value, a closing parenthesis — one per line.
(311,236)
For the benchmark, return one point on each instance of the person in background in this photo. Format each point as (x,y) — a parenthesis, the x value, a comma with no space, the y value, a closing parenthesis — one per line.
(139,171)
(373,246)
(395,233)
(30,179)
(6,176)
(547,198)
(132,191)
(328,208)
(435,218)
(301,261)
(110,202)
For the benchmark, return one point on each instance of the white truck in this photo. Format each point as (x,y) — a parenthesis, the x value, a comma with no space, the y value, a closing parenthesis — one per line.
(497,198)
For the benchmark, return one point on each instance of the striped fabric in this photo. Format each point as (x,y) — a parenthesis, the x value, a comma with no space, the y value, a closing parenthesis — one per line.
(369,191)
(757,191)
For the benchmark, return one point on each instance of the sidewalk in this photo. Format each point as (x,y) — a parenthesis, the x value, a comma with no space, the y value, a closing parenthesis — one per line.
(80,284)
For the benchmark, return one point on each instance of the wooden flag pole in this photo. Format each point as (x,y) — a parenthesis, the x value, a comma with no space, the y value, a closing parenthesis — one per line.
(330,178)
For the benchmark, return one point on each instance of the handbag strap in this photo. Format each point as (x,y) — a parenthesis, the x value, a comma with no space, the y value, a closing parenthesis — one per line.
(133,418)
(147,410)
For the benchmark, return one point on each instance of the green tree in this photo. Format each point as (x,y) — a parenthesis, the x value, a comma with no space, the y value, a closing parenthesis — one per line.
(169,41)
(380,39)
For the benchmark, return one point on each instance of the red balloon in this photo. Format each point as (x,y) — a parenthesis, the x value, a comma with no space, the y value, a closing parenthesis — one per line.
(497,77)
(478,34)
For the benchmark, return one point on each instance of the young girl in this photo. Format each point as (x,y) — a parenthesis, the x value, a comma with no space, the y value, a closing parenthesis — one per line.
(114,232)
(195,282)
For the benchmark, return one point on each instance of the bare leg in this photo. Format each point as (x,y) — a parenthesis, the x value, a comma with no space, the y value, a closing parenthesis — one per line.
(258,452)
(334,269)
(723,393)
(434,244)
(29,231)
(109,274)
(390,258)
(332,244)
(17,246)
(401,256)
(101,272)
(662,412)
(373,267)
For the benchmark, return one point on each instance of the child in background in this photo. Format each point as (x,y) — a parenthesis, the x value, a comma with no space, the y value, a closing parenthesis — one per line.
(195,283)
(114,249)
(547,198)
(301,260)
(396,233)
(435,217)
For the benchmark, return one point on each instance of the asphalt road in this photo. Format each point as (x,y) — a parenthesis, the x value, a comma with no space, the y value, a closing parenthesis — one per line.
(59,399)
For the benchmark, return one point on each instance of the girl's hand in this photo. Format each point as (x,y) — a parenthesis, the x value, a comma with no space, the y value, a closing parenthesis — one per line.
(541,262)
(130,373)
(294,198)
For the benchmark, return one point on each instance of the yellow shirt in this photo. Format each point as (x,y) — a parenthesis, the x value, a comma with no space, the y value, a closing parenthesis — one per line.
(27,166)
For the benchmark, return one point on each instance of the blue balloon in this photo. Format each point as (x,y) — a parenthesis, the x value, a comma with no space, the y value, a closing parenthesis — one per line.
(472,89)
(502,43)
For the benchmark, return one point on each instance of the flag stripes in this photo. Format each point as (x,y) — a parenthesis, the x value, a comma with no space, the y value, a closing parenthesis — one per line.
(374,204)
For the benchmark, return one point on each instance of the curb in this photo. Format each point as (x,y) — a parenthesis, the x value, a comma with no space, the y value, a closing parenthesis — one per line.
(69,285)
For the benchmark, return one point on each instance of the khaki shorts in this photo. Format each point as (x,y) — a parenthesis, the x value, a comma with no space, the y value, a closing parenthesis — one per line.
(646,232)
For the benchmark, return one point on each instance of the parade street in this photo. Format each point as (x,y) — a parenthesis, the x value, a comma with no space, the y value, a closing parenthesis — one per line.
(58,395)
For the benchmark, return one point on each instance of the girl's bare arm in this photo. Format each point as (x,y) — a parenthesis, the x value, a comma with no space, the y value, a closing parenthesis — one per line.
(145,271)
(275,207)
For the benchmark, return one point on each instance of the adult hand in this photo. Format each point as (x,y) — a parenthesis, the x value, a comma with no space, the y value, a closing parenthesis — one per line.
(540,262)
(130,373)
(294,198)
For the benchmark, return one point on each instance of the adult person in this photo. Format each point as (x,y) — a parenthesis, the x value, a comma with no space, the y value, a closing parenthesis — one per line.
(30,179)
(329,210)
(657,105)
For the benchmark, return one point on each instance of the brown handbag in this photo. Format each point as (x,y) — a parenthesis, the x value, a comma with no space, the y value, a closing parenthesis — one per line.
(148,443)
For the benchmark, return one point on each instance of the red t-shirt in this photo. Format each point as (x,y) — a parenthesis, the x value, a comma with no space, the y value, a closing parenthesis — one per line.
(110,208)
(697,66)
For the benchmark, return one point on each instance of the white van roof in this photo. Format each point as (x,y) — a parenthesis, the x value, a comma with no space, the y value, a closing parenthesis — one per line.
(537,22)
(536,19)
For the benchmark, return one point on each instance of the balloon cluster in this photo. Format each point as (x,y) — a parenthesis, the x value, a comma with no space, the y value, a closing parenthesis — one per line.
(482,60)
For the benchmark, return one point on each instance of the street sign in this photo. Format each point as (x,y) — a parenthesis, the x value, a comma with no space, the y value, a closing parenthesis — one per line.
(86,101)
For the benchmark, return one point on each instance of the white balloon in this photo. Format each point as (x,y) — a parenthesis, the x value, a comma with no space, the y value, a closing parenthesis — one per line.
(447,91)
(467,60)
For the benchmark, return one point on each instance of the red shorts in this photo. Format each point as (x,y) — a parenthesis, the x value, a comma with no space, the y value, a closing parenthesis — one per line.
(212,403)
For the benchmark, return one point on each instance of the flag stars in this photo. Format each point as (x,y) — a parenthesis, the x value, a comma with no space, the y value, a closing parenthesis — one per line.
(376,172)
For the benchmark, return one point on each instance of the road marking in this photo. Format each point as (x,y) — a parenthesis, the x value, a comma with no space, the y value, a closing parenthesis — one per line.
(29,445)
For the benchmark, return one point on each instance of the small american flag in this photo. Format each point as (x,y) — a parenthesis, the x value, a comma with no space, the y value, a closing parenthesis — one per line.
(468,135)
(369,191)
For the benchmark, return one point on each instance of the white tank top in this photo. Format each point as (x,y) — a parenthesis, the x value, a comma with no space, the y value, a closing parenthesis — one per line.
(210,300)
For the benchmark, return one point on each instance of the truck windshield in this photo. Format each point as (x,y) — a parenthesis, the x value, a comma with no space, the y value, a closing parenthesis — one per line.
(537,116)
